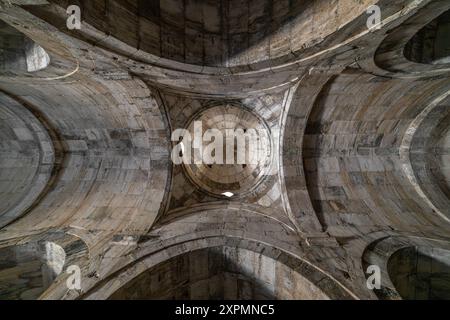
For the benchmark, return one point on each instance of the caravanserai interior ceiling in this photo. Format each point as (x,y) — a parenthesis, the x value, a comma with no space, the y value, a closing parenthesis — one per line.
(356,170)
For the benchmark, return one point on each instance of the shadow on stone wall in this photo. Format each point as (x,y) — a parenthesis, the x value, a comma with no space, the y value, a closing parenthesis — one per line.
(220,273)
(30,267)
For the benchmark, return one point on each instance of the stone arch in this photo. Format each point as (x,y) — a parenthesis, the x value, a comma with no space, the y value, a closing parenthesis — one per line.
(18,53)
(411,267)
(297,198)
(431,45)
(31,265)
(309,278)
(395,54)
(28,158)
(424,151)
(238,35)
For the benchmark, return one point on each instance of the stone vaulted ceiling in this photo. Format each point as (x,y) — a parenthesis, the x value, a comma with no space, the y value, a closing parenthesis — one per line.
(355,171)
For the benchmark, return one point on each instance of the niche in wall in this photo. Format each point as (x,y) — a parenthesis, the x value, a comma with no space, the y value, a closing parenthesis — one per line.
(431,45)
(421,273)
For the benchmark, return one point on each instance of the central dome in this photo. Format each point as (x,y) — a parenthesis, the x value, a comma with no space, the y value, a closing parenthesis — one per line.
(246,140)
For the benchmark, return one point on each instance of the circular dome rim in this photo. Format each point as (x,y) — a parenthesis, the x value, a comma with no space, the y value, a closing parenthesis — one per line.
(261,176)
